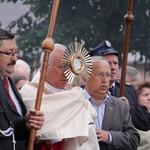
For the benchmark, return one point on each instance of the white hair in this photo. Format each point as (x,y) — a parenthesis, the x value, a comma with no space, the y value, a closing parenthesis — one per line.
(21,68)
(131,72)
(57,45)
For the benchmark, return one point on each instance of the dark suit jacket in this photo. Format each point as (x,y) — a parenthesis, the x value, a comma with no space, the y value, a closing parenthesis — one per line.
(140,115)
(117,121)
(10,117)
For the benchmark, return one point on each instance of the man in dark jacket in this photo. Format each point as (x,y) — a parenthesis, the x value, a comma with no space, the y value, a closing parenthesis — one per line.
(15,121)
(139,114)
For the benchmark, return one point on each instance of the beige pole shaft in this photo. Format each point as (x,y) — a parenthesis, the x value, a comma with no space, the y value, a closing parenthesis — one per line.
(128,19)
(48,46)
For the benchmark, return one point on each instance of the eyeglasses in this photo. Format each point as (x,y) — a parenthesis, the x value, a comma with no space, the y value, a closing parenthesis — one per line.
(101,75)
(10,54)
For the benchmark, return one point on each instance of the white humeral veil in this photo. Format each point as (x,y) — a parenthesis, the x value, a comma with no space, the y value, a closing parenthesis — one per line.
(68,116)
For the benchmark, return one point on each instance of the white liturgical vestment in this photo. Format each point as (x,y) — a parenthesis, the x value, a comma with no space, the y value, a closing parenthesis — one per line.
(68,116)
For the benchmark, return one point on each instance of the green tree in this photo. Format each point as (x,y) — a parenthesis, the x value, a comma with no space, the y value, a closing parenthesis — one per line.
(93,21)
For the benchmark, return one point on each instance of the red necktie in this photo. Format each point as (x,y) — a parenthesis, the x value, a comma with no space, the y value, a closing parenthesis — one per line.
(7,89)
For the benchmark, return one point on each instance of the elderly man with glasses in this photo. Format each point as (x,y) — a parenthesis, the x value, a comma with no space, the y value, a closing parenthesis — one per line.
(115,130)
(140,115)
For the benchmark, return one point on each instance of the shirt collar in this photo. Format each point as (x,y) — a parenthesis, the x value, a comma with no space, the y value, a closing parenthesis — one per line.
(53,89)
(113,85)
(87,96)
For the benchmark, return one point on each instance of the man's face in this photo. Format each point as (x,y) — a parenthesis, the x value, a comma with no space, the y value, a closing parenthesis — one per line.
(7,62)
(98,84)
(55,73)
(113,61)
(58,78)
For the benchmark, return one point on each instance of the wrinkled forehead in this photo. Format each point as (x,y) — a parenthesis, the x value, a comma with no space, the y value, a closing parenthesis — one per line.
(110,57)
(8,44)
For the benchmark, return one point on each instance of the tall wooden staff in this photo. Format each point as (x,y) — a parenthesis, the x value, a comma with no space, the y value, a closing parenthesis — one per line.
(48,46)
(129,19)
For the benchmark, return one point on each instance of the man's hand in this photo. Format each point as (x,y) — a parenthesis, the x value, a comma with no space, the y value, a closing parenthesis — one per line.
(102,136)
(34,119)
(125,100)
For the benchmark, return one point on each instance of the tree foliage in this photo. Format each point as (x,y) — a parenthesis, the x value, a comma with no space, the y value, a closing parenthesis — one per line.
(91,21)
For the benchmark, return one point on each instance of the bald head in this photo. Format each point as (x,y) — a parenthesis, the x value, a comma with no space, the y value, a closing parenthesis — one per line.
(21,69)
(57,52)
(98,60)
(98,84)
(55,73)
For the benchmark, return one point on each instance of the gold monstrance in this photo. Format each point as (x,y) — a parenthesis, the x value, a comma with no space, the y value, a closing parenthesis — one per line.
(77,64)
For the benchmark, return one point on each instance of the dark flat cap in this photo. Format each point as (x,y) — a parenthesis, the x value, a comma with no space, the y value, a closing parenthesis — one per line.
(4,34)
(102,49)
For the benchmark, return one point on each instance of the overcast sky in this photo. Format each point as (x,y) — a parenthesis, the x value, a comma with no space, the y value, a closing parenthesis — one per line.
(10,12)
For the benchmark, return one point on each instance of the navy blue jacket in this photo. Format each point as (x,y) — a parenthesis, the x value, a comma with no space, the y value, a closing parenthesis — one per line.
(140,115)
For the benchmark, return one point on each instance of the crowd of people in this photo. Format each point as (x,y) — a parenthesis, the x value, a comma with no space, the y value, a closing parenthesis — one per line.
(93,117)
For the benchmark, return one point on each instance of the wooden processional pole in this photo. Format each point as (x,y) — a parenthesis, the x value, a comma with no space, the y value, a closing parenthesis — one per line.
(48,46)
(128,19)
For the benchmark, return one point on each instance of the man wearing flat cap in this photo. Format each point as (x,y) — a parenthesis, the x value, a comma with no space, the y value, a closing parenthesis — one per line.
(139,114)
(102,49)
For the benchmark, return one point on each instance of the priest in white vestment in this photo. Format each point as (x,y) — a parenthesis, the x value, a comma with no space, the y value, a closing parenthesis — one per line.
(69,117)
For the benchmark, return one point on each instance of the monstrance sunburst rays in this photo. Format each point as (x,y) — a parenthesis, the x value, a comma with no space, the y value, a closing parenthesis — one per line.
(77,64)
